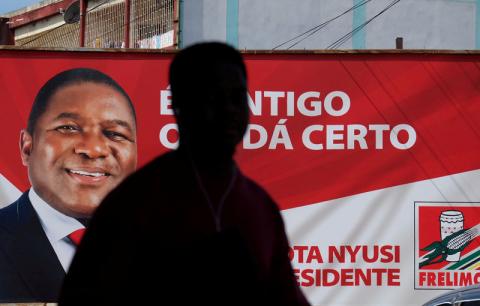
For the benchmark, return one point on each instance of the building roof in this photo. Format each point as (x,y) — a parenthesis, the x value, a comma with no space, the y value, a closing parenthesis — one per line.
(29,8)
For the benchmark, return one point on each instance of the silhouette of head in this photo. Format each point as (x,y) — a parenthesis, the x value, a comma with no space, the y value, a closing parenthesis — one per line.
(209,98)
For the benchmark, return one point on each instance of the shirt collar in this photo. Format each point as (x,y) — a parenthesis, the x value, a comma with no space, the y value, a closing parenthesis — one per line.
(55,224)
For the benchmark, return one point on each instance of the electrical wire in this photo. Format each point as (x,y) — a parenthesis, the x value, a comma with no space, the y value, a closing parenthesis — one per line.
(350,34)
(315,31)
(317,28)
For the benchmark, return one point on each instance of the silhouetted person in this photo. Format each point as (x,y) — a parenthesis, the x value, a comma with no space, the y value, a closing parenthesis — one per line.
(189,228)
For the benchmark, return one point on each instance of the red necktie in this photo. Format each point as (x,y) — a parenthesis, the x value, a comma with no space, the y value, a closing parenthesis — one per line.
(76,236)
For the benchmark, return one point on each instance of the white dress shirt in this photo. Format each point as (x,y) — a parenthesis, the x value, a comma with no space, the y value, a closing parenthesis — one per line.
(57,227)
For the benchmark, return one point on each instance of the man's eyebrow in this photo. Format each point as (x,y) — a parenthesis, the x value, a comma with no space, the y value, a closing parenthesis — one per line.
(67,115)
(123,123)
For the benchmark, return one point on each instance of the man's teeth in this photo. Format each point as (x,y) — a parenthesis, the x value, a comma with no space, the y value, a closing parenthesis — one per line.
(93,174)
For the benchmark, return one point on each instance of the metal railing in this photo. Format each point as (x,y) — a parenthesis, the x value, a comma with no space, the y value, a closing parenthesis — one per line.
(152,24)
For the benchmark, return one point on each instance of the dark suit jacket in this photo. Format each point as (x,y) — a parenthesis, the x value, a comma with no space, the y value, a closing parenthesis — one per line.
(29,268)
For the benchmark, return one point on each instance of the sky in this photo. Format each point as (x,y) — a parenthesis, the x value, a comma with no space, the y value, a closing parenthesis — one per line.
(12,5)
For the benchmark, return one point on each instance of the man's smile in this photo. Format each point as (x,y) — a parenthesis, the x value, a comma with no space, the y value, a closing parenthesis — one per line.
(88,176)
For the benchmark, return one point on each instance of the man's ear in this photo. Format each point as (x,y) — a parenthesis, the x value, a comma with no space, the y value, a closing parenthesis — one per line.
(178,115)
(176,111)
(26,146)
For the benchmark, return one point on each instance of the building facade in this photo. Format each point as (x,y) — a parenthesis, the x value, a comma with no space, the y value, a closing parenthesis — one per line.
(256,24)
(265,24)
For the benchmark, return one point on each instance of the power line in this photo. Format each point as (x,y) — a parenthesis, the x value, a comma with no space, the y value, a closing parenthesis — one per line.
(350,34)
(315,31)
(317,28)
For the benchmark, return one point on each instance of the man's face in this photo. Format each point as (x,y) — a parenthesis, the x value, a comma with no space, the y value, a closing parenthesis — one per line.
(216,121)
(83,146)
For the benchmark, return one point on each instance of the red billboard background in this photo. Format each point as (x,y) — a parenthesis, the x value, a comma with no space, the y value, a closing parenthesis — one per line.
(330,123)
(436,94)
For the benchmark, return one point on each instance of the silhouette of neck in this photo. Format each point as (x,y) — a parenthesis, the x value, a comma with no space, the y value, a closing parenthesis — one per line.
(209,163)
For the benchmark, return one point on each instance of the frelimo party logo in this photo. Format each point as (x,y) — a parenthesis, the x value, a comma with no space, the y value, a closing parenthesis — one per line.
(447,247)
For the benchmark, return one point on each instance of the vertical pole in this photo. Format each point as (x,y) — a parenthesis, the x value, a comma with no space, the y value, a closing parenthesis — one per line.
(7,36)
(181,22)
(477,24)
(177,23)
(127,24)
(232,22)
(83,12)
(399,43)
(359,17)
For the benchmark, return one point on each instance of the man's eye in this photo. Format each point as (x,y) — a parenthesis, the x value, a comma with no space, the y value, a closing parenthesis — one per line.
(67,129)
(115,135)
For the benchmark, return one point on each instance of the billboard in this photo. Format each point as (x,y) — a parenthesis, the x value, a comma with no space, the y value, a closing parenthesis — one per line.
(372,157)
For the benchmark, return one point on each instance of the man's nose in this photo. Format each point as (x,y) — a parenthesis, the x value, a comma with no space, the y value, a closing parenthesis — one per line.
(92,145)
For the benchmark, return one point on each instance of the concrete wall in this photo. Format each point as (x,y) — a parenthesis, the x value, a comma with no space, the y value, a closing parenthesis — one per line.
(203,20)
(263,24)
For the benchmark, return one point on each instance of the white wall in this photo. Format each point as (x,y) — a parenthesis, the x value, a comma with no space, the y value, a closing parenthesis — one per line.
(263,24)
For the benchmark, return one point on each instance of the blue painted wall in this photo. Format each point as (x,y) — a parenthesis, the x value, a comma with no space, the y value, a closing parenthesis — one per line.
(359,17)
(232,22)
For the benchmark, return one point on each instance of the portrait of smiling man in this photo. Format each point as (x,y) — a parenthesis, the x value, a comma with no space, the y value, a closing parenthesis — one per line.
(80,142)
